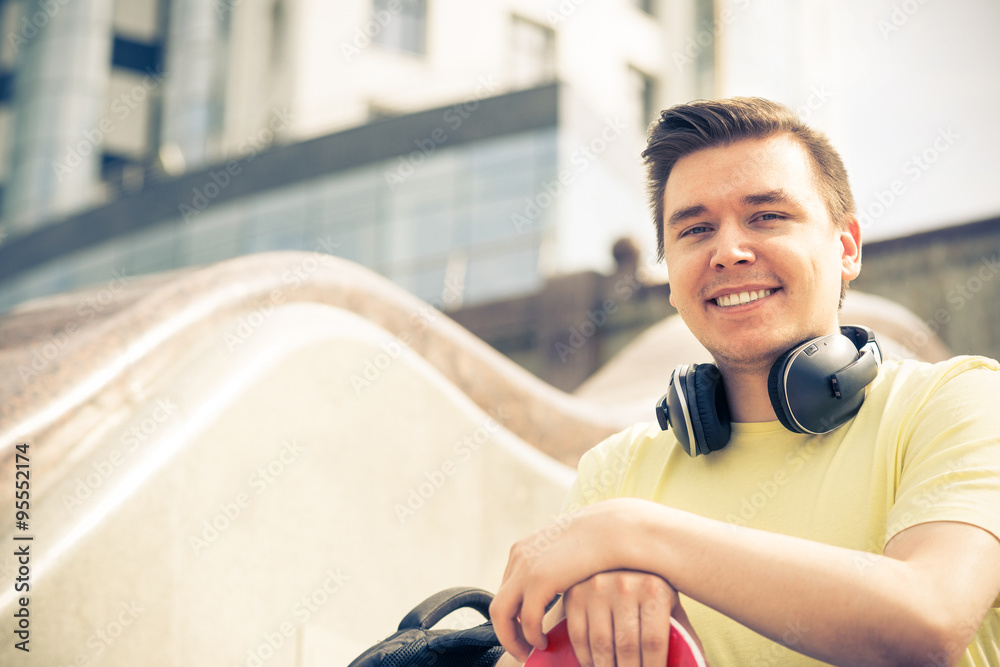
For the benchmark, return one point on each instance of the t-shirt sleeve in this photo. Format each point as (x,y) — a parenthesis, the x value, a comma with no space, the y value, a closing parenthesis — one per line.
(601,470)
(949,466)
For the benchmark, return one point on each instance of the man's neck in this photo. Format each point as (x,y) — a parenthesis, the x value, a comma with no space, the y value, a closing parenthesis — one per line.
(748,397)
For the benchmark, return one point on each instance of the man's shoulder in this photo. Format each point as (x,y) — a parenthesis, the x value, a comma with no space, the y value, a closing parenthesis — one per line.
(912,370)
(602,470)
(629,437)
(910,381)
(623,445)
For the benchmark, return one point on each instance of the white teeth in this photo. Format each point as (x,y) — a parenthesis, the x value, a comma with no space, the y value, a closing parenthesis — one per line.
(741,298)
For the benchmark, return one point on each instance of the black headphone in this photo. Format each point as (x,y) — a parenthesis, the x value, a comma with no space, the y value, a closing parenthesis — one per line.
(815,387)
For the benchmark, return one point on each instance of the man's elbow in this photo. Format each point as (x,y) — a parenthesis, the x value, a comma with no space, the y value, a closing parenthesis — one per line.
(936,640)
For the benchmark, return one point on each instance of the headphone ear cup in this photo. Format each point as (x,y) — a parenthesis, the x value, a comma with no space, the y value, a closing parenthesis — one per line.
(776,391)
(709,409)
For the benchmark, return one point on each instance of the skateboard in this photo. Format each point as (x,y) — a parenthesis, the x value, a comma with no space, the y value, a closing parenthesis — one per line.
(683,651)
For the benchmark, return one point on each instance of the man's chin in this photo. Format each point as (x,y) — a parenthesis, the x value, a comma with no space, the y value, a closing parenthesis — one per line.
(748,360)
(745,365)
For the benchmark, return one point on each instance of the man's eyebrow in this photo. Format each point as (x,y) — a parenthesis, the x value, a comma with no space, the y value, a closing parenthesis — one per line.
(778,196)
(686,213)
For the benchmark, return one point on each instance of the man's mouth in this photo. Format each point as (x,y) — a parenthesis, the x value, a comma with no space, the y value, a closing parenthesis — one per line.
(740,298)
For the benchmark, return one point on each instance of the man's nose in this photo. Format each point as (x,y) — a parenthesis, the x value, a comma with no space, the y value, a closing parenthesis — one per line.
(732,246)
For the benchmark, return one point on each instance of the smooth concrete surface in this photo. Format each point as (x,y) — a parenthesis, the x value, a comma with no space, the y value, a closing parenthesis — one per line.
(66,361)
(260,506)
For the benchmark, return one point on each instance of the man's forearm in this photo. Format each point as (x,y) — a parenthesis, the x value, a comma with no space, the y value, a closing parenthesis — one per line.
(859,608)
(921,602)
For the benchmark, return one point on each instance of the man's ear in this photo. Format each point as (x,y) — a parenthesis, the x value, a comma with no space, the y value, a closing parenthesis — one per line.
(850,239)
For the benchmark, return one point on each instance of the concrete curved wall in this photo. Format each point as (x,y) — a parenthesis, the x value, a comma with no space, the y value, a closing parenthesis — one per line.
(254,506)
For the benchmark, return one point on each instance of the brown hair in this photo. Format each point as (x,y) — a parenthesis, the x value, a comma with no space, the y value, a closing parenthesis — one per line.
(686,128)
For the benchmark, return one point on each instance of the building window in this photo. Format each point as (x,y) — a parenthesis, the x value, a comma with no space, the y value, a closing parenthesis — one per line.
(130,54)
(648,6)
(278,33)
(121,174)
(643,95)
(403,24)
(533,53)
(6,86)
(134,94)
(705,62)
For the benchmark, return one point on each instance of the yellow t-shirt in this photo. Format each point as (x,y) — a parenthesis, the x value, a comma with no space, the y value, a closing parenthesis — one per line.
(925,446)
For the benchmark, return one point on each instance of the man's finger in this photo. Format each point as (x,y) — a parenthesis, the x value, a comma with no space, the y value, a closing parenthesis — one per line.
(511,560)
(627,629)
(579,635)
(531,614)
(601,637)
(654,626)
(503,614)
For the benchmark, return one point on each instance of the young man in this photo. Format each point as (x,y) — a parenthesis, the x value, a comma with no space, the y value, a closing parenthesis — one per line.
(876,543)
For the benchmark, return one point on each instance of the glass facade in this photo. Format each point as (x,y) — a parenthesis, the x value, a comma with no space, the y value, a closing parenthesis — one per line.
(416,219)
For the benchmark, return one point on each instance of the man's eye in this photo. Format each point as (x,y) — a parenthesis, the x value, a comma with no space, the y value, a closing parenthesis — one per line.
(767,217)
(699,229)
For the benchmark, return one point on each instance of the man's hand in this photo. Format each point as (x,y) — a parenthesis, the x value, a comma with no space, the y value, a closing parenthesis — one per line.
(617,618)
(622,618)
(548,563)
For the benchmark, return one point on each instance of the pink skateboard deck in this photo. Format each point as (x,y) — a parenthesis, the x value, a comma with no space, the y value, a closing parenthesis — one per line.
(683,650)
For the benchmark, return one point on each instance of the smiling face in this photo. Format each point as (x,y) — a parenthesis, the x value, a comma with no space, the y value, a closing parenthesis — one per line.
(755,261)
